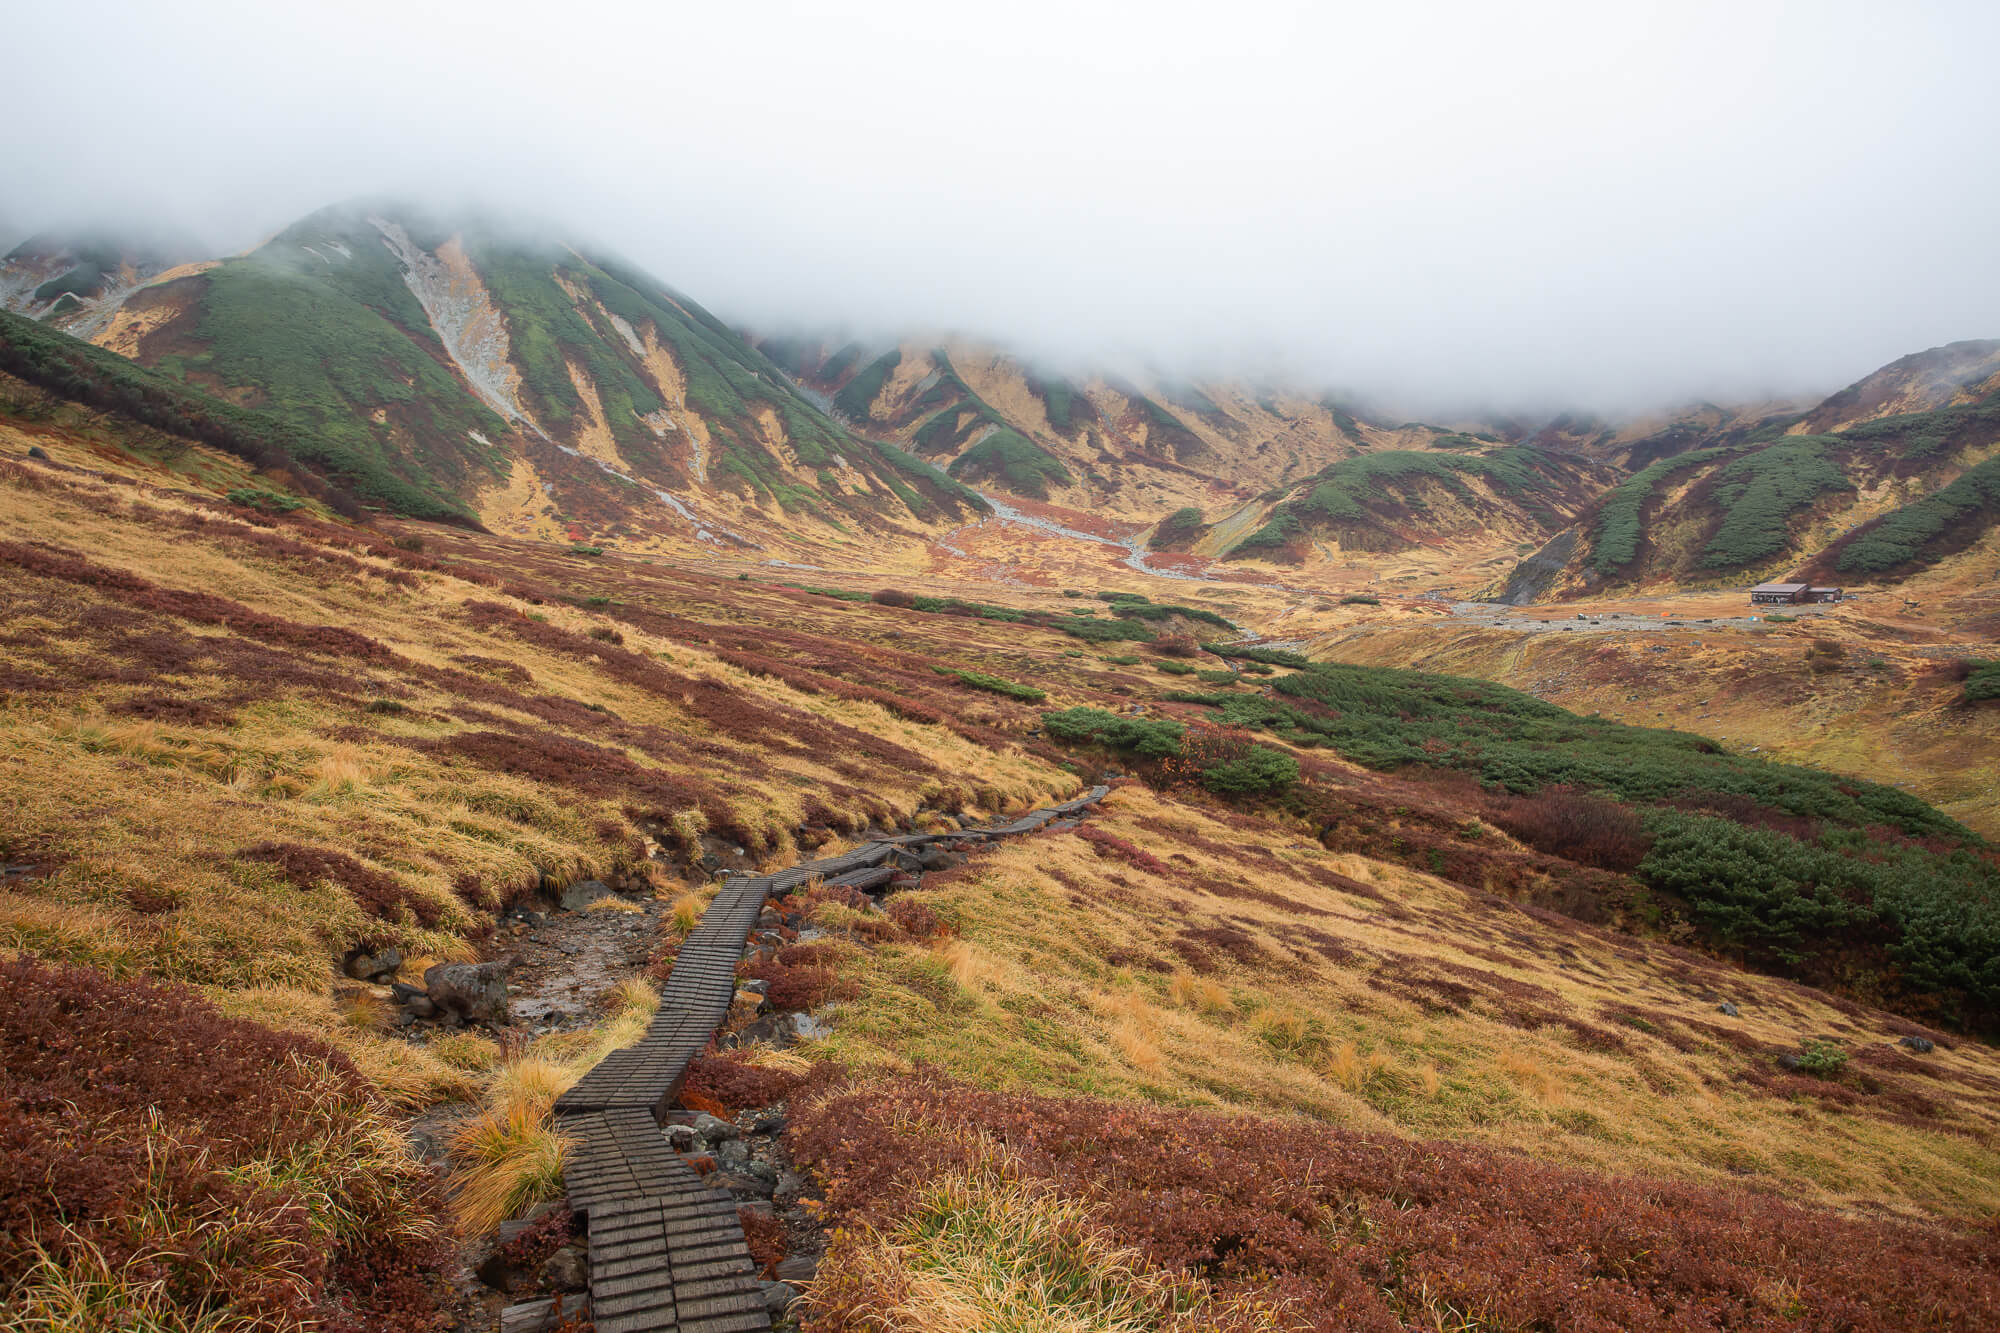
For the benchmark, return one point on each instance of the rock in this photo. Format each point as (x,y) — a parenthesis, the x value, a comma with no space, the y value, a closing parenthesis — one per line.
(778,1296)
(738,1182)
(769,919)
(771,1123)
(420,1005)
(714,1129)
(763,1171)
(1726,1009)
(1789,1060)
(907,861)
(1921,1045)
(809,1028)
(583,893)
(754,987)
(365,966)
(471,992)
(732,1155)
(566,1270)
(683,1138)
(36,451)
(938,859)
(797,1268)
(771,1029)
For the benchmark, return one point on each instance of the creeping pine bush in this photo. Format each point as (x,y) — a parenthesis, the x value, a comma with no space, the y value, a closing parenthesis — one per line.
(979,680)
(1822,1058)
(1129,735)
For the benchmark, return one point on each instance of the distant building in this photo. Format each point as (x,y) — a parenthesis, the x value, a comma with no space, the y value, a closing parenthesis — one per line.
(1824,594)
(1779,594)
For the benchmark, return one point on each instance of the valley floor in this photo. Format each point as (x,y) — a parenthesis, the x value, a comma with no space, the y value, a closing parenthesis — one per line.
(1216,1058)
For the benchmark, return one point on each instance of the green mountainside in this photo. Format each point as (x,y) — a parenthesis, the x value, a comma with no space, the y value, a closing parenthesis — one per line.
(428,358)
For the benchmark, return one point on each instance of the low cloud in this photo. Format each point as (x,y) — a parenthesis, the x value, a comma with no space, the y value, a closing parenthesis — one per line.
(1608,207)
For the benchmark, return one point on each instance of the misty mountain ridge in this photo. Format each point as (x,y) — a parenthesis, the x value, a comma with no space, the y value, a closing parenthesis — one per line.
(486,372)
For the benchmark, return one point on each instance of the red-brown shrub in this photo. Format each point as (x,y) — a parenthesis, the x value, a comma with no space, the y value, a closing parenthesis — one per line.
(1379,1234)
(730,1081)
(798,989)
(893,597)
(1561,821)
(129,1112)
(765,1235)
(914,918)
(380,895)
(1176,645)
(1112,846)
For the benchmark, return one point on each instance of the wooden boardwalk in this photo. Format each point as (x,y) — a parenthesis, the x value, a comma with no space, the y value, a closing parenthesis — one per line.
(667,1254)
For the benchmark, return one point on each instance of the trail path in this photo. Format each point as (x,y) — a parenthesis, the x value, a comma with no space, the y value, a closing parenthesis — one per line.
(667,1254)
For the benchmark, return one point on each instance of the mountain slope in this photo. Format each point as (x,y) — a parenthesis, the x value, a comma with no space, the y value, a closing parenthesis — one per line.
(1098,443)
(518,380)
(1834,493)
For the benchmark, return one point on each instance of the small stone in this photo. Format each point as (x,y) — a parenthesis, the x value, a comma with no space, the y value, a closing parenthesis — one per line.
(764,1171)
(683,1138)
(778,1296)
(1789,1060)
(772,1123)
(797,1268)
(566,1270)
(739,1183)
(36,451)
(365,966)
(1921,1045)
(1726,1009)
(732,1154)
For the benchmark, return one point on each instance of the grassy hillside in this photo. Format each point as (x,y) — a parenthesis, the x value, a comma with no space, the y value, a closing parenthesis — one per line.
(76,372)
(1401,498)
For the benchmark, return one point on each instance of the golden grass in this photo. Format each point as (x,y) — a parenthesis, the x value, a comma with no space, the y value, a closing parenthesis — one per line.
(140,818)
(82,1291)
(1029,997)
(983,1250)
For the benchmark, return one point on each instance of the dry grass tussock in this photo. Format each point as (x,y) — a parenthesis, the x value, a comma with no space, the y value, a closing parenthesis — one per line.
(1260,974)
(508,1155)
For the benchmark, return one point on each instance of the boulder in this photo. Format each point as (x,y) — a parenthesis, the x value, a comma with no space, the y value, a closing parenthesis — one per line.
(1921,1045)
(683,1138)
(583,893)
(1726,1009)
(36,451)
(470,992)
(778,1296)
(936,858)
(714,1129)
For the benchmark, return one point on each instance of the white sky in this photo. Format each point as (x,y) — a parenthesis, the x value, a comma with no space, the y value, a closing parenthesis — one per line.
(1520,204)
